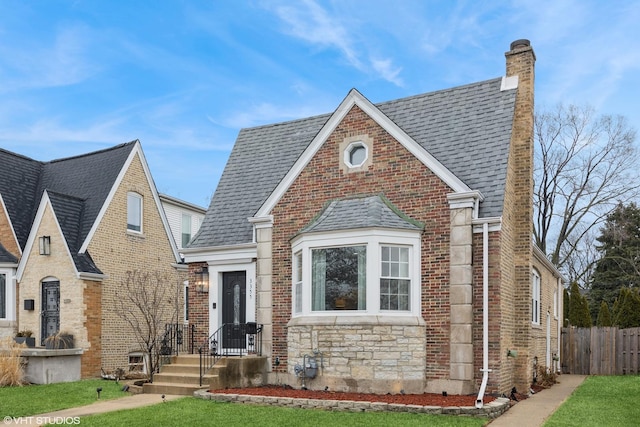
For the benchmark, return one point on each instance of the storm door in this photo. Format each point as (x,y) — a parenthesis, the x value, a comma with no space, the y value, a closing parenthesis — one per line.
(50,309)
(234,307)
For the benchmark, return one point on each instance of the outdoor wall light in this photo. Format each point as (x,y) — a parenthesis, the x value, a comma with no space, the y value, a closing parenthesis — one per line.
(512,353)
(45,245)
(202,280)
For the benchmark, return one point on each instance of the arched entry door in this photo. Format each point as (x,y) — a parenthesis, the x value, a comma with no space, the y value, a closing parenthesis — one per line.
(50,309)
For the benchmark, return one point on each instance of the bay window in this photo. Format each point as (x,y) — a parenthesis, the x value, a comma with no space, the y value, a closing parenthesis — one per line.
(358,272)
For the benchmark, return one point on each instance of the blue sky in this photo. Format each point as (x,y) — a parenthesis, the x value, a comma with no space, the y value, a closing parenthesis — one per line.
(184,76)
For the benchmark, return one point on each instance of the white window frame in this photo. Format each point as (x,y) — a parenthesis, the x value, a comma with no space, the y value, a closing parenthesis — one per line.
(374,239)
(144,361)
(9,295)
(348,151)
(536,283)
(297,282)
(185,311)
(130,197)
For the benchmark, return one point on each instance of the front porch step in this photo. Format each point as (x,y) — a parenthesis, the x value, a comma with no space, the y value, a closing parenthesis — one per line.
(181,377)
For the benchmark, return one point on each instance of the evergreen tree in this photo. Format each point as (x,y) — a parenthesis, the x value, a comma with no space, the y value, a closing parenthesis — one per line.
(619,264)
(604,316)
(628,315)
(578,308)
(565,307)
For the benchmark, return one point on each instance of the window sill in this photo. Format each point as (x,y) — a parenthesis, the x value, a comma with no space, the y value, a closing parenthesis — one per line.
(137,234)
(367,319)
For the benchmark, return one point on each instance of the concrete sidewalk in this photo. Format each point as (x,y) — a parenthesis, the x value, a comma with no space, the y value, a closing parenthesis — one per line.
(99,407)
(534,411)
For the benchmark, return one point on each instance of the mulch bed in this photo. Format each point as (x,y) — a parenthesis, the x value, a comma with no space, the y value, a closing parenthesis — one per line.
(425,399)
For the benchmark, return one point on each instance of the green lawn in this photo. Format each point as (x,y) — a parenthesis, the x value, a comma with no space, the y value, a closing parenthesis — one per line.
(197,412)
(601,401)
(38,399)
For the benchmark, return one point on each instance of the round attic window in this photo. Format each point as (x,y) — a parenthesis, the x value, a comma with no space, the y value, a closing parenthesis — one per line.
(356,154)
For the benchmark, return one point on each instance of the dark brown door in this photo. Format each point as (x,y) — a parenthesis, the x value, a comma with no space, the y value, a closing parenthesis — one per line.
(234,307)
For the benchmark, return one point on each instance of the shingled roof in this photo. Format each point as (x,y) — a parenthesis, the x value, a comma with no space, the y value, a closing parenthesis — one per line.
(466,128)
(77,187)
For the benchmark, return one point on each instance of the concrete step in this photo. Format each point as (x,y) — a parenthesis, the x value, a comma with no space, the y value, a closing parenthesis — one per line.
(180,369)
(186,359)
(158,387)
(181,378)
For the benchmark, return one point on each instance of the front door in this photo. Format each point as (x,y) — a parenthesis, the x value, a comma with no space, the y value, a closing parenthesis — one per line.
(50,309)
(234,307)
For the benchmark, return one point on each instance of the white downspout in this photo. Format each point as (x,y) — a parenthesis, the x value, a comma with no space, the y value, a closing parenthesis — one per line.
(485,314)
(559,319)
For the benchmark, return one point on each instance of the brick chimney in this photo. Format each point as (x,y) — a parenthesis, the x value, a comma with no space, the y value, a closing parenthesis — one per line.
(518,214)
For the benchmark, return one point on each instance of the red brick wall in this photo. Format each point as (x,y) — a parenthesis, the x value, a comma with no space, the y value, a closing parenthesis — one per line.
(409,185)
(91,360)
(198,308)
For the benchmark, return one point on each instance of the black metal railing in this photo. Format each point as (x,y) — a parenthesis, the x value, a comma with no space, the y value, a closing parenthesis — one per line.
(231,339)
(177,338)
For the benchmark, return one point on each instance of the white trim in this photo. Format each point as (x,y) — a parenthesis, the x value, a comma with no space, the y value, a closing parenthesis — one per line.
(215,292)
(354,98)
(536,295)
(137,196)
(494,223)
(13,232)
(222,254)
(540,256)
(508,83)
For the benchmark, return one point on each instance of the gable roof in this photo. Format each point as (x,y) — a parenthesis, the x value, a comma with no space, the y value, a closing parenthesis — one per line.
(466,129)
(77,187)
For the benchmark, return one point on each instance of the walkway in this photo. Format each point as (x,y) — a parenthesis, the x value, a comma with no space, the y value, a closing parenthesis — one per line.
(533,412)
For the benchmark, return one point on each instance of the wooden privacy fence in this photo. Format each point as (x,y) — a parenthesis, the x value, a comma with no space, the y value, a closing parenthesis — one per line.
(600,351)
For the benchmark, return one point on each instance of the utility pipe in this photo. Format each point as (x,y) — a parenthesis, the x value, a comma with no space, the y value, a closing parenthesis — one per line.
(485,315)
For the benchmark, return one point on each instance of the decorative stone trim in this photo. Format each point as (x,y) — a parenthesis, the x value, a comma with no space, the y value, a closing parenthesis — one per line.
(491,410)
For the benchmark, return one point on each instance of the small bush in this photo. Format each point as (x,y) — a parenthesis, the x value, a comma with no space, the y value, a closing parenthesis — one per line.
(546,377)
(11,371)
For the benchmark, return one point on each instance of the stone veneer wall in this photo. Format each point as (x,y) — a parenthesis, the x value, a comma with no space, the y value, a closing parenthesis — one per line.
(372,355)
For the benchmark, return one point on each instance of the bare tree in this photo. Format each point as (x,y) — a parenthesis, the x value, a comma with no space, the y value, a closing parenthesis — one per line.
(147,302)
(584,166)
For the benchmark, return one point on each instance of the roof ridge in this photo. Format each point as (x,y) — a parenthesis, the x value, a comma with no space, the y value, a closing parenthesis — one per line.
(104,150)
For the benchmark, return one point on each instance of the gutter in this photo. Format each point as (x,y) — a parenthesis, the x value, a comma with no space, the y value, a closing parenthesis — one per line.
(485,315)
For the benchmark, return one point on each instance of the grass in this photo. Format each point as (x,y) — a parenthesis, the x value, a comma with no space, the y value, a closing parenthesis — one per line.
(601,401)
(38,399)
(192,411)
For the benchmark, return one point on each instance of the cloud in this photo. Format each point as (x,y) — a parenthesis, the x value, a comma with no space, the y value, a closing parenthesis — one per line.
(310,22)
(64,62)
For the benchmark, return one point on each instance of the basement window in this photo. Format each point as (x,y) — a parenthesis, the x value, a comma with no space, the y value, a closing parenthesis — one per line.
(137,363)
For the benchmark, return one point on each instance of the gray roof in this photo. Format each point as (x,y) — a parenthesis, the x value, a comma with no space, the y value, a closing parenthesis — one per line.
(466,128)
(360,212)
(77,186)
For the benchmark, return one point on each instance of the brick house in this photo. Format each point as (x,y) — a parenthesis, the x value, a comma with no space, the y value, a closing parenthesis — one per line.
(70,230)
(374,240)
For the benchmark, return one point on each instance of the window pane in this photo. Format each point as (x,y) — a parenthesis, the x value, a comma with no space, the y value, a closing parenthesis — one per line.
(134,212)
(339,278)
(186,229)
(394,294)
